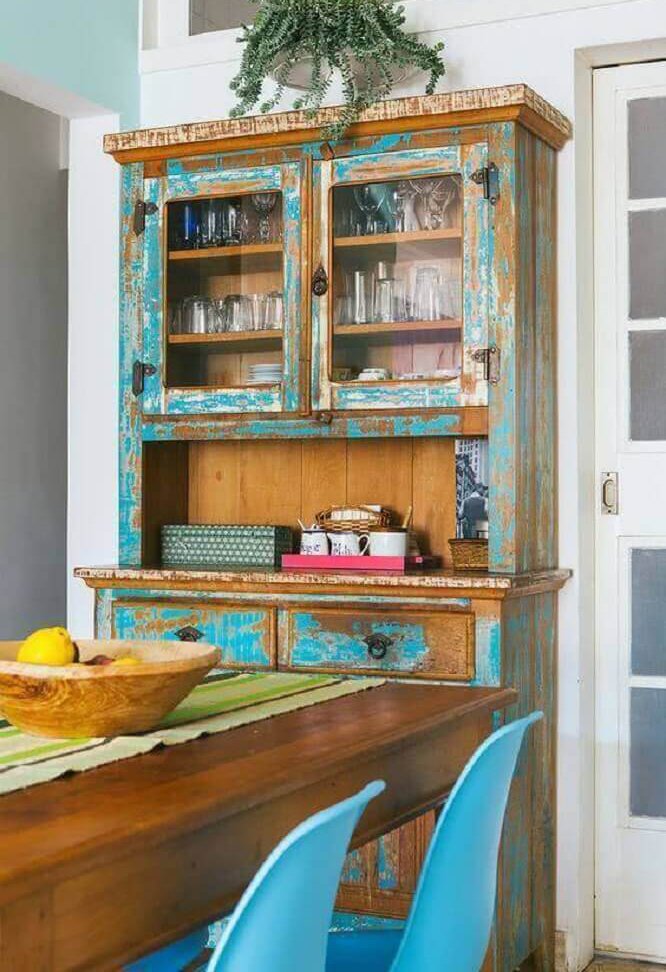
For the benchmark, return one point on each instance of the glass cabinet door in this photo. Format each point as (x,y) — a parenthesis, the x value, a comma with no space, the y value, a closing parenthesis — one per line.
(402,243)
(222,302)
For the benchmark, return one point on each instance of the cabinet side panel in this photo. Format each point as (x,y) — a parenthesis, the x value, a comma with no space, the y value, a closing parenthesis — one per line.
(131,315)
(545,447)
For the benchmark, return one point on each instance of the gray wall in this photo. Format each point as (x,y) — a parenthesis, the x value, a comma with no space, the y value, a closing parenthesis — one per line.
(33,370)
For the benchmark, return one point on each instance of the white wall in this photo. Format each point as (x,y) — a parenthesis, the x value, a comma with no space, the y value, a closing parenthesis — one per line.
(553,53)
(93,360)
(33,369)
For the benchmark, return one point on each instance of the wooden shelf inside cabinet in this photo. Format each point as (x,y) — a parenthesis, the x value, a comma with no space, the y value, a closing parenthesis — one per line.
(220,252)
(400,327)
(236,341)
(413,236)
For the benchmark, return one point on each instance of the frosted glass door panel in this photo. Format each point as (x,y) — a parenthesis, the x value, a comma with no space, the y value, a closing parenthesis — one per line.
(648,752)
(647,147)
(647,262)
(648,612)
(647,380)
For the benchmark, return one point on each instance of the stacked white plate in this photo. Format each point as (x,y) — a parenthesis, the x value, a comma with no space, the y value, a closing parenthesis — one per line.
(264,374)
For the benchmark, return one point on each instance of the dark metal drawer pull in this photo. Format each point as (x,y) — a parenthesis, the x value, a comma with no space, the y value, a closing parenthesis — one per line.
(378,645)
(188,633)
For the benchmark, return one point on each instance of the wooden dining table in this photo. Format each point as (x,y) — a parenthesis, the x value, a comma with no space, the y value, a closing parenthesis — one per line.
(101,867)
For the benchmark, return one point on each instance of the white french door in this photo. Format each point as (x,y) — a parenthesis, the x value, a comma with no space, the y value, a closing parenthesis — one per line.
(630,383)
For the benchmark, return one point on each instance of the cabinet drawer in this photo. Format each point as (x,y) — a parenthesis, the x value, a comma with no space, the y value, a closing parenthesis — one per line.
(244,635)
(420,643)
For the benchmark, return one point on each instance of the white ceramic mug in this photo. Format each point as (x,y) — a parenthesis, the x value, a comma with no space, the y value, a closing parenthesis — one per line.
(314,543)
(388,543)
(348,544)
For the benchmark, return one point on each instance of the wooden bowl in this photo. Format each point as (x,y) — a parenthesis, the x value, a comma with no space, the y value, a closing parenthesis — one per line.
(83,701)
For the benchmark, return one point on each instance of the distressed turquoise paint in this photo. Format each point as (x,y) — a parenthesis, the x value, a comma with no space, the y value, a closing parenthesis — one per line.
(314,645)
(129,432)
(103,608)
(368,427)
(476,244)
(502,508)
(343,921)
(242,636)
(381,601)
(488,651)
(412,394)
(421,161)
(386,873)
(159,400)
(353,871)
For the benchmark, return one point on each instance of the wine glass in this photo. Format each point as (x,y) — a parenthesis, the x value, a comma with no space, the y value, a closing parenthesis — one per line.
(427,189)
(396,199)
(369,199)
(264,204)
(444,196)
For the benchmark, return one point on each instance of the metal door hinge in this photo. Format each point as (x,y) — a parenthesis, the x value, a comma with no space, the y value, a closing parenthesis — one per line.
(141,210)
(488,177)
(610,495)
(490,358)
(319,281)
(140,371)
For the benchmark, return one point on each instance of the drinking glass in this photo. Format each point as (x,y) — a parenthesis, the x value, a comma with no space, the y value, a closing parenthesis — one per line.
(237,313)
(191,229)
(221,315)
(274,316)
(444,196)
(231,223)
(211,222)
(257,309)
(175,311)
(359,297)
(369,199)
(427,294)
(400,306)
(199,315)
(426,189)
(264,204)
(395,205)
(384,300)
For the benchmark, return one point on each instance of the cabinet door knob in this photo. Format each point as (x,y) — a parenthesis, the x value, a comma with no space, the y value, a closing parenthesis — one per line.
(319,281)
(378,645)
(188,633)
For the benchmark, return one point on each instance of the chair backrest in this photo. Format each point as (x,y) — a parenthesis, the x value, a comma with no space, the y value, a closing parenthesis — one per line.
(452,913)
(281,923)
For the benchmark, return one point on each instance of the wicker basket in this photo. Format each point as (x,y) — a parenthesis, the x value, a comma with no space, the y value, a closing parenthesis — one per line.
(469,554)
(352,519)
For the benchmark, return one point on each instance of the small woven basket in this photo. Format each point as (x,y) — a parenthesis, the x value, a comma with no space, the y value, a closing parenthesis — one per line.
(352,519)
(469,554)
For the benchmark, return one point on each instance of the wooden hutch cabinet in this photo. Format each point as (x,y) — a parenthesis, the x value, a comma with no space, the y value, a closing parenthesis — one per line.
(353,385)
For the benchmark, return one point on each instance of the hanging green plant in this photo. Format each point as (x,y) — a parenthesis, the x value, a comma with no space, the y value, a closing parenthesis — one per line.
(362,40)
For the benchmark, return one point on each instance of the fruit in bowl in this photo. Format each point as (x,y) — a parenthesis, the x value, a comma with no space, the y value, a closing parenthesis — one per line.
(115,687)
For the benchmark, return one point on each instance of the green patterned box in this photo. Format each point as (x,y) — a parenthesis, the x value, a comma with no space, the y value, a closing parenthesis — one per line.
(225,546)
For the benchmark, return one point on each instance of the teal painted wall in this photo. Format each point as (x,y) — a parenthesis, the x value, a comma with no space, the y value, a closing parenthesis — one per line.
(88,47)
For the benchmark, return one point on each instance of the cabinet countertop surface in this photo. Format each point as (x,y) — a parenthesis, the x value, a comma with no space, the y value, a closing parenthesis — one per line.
(430,581)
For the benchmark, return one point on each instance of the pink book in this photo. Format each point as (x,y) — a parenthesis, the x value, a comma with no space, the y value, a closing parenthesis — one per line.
(397,565)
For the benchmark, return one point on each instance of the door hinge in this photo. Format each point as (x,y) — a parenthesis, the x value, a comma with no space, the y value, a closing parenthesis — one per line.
(141,210)
(490,358)
(488,177)
(140,371)
(610,494)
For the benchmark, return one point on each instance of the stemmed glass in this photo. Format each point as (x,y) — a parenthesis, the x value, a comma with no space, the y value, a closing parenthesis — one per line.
(396,199)
(264,204)
(369,199)
(428,189)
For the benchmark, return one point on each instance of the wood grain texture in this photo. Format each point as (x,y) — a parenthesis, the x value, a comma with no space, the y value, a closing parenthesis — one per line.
(81,701)
(461,107)
(153,846)
(422,643)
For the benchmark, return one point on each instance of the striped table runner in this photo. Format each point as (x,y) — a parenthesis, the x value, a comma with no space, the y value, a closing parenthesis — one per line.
(223,701)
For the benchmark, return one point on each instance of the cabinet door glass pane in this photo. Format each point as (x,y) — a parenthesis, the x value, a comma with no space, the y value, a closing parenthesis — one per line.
(397,280)
(225,310)
(647,146)
(647,396)
(647,251)
(648,612)
(648,752)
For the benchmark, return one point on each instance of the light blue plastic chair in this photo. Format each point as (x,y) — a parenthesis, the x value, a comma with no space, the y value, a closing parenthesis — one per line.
(281,923)
(451,917)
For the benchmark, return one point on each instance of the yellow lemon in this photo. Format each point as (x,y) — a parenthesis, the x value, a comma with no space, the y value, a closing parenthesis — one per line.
(48,646)
(127,660)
